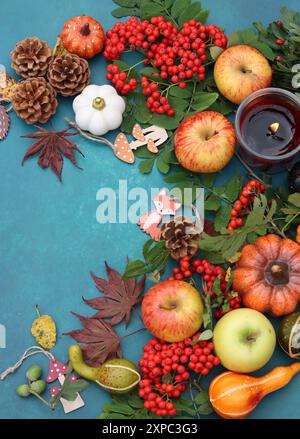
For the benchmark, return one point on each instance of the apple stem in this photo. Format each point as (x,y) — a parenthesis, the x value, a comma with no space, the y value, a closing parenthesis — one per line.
(168,308)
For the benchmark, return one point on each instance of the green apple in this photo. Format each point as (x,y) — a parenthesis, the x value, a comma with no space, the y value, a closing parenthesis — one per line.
(244,340)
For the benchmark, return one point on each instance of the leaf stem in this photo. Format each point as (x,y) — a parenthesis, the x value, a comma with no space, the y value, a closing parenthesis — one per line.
(197,385)
(192,98)
(37,311)
(168,13)
(133,333)
(216,195)
(289,222)
(193,400)
(132,67)
(137,314)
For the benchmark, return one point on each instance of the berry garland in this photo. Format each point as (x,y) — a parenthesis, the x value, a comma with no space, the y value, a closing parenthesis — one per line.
(178,56)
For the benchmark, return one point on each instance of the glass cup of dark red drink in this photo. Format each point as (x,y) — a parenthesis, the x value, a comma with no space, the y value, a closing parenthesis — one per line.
(268,128)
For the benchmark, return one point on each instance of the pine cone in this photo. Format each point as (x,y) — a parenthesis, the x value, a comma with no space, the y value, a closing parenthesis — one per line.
(182,237)
(68,74)
(34,100)
(31,58)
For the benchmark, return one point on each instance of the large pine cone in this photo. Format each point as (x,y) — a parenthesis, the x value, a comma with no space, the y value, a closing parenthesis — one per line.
(34,100)
(181,236)
(31,58)
(69,74)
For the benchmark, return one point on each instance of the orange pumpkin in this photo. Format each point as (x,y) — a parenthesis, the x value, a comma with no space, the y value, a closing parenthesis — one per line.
(268,275)
(83,36)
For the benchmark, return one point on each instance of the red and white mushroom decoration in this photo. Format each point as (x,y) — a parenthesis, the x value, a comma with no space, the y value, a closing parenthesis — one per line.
(56,370)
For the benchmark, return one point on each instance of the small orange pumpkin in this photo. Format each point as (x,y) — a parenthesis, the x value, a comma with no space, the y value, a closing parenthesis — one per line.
(268,275)
(83,36)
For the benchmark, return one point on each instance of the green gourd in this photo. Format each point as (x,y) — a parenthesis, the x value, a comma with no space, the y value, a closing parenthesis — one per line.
(289,335)
(117,376)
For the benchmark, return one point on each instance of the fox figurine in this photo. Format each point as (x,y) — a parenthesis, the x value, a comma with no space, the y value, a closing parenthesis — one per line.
(164,205)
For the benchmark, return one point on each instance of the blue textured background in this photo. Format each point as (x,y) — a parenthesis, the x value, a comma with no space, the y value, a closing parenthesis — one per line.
(49,237)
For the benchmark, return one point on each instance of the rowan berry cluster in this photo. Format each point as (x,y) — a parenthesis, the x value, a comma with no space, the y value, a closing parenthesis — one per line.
(241,206)
(120,79)
(156,102)
(166,368)
(209,274)
(177,55)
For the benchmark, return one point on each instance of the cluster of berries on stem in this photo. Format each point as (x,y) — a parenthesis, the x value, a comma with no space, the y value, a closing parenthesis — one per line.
(156,102)
(209,273)
(166,369)
(120,79)
(241,206)
(178,56)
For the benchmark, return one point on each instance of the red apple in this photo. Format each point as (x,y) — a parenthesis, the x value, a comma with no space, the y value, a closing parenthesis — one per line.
(205,142)
(241,70)
(172,310)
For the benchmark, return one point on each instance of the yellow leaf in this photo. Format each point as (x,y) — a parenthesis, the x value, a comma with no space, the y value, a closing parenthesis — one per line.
(43,330)
(234,258)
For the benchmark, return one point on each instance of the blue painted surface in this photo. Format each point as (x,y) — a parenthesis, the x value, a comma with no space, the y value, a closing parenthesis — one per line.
(49,237)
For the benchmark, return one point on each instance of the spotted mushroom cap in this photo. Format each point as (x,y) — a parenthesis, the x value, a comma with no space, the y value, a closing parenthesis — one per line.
(122,149)
(54,391)
(56,370)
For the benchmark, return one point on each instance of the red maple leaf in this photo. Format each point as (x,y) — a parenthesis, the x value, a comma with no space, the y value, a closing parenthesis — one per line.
(101,341)
(120,296)
(51,147)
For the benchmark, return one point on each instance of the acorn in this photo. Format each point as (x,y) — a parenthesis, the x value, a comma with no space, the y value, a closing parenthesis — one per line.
(294,178)
(38,387)
(34,373)
(23,390)
(289,335)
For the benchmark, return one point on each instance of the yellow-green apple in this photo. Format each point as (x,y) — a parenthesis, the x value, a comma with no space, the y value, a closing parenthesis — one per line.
(172,310)
(244,340)
(205,142)
(241,70)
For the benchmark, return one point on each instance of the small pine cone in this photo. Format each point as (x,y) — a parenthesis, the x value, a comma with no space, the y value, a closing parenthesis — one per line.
(31,58)
(69,74)
(34,100)
(181,236)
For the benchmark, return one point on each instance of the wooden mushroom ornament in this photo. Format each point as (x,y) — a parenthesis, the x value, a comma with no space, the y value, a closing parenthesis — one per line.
(57,371)
(99,109)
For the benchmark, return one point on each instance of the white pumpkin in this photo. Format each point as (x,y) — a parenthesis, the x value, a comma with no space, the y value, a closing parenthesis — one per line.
(99,109)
